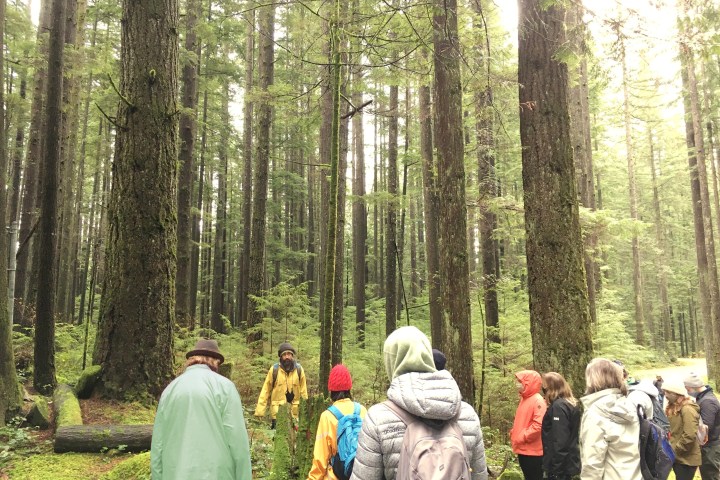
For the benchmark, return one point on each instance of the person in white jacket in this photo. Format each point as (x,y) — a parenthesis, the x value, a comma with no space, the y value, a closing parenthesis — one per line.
(610,429)
(420,390)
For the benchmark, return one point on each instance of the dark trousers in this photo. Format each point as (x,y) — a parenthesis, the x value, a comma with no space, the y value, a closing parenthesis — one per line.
(684,472)
(710,468)
(531,466)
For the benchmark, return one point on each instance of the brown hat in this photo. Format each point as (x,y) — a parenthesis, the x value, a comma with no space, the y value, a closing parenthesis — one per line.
(207,348)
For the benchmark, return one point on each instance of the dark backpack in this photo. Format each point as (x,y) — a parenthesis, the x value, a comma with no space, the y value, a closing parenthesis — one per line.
(348,430)
(659,417)
(431,452)
(656,455)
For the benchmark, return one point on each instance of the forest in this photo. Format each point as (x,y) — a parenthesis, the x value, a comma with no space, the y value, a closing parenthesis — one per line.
(532,184)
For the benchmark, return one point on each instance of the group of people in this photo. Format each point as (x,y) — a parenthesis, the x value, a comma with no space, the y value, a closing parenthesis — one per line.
(200,416)
(554,441)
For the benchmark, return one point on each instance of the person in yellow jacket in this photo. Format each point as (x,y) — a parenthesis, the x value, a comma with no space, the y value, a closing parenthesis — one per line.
(285,383)
(325,453)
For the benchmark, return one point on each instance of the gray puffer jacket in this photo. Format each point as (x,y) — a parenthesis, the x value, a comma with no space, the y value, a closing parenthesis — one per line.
(431,395)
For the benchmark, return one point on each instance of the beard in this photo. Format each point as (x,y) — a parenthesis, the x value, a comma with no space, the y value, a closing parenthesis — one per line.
(288,364)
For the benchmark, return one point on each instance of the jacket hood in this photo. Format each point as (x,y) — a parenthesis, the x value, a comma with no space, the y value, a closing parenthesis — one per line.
(531,382)
(430,395)
(406,350)
(645,386)
(612,405)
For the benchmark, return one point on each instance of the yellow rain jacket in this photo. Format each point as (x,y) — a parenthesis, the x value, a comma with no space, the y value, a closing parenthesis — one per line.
(285,382)
(326,440)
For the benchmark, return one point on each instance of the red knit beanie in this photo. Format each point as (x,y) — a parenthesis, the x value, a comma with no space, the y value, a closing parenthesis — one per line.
(339,379)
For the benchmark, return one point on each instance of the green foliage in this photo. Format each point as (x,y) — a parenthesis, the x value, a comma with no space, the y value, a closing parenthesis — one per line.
(137,467)
(612,340)
(14,442)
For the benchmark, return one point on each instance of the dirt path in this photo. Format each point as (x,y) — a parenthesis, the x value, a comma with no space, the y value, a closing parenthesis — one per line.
(674,372)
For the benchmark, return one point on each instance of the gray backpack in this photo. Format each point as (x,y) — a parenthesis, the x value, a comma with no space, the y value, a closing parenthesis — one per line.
(431,452)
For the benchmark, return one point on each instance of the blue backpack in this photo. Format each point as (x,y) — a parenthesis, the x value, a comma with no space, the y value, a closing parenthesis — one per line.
(656,455)
(348,430)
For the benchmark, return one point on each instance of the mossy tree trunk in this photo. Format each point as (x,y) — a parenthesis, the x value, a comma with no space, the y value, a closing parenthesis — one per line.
(186,159)
(256,280)
(9,395)
(556,279)
(135,333)
(452,213)
(44,356)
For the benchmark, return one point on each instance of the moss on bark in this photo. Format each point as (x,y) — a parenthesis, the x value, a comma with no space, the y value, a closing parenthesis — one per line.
(67,407)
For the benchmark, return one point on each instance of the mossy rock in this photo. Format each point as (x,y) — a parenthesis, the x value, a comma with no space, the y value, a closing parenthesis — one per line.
(136,467)
(67,407)
(87,381)
(39,415)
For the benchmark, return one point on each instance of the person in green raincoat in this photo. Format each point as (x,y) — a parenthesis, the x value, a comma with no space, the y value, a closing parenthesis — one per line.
(199,430)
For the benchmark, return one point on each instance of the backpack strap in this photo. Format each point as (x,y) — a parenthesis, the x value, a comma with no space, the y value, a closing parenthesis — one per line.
(357,409)
(335,411)
(276,367)
(406,417)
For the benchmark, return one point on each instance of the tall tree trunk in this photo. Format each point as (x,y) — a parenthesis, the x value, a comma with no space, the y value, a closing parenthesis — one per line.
(186,159)
(430,214)
(197,217)
(68,195)
(138,298)
(10,400)
(256,278)
(44,379)
(632,188)
(696,160)
(661,246)
(14,203)
(391,300)
(28,217)
(247,164)
(359,211)
(219,258)
(452,225)
(581,143)
(332,215)
(556,281)
(487,186)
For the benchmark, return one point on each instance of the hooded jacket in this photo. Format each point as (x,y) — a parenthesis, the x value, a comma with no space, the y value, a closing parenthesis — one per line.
(199,430)
(286,382)
(710,412)
(683,435)
(609,437)
(640,394)
(560,433)
(422,391)
(525,435)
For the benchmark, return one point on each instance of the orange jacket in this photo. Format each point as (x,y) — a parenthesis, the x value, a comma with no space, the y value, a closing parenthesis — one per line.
(326,440)
(525,436)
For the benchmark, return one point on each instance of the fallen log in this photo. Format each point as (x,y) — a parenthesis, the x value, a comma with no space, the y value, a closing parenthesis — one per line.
(98,438)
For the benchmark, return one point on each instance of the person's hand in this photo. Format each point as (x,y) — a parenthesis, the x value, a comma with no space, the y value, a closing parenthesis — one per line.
(272,424)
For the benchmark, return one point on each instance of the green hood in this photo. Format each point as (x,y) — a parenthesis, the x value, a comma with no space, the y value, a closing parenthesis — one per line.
(406,350)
